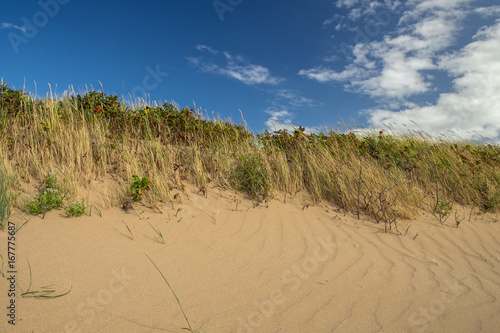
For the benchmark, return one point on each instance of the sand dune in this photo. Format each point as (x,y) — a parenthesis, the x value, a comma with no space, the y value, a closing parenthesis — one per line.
(272,268)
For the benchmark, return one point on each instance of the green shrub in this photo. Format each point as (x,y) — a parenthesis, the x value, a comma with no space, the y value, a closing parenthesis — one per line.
(491,203)
(11,101)
(139,186)
(76,208)
(51,197)
(250,176)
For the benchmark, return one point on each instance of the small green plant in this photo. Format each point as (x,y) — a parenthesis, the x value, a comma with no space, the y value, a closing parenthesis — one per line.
(139,186)
(50,196)
(76,208)
(158,232)
(443,210)
(44,292)
(97,210)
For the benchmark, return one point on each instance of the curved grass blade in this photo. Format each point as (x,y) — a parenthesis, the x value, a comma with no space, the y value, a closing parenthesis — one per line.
(41,293)
(178,302)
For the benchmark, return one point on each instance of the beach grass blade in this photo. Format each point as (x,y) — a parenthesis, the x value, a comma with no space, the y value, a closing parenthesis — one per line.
(178,302)
(45,292)
(158,232)
(130,231)
(18,228)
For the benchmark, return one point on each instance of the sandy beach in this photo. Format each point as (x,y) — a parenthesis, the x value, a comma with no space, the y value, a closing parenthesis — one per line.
(277,267)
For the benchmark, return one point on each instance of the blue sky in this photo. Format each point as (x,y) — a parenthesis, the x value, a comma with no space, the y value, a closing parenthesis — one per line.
(416,64)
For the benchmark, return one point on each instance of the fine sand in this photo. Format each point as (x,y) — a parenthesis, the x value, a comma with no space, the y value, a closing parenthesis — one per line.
(277,267)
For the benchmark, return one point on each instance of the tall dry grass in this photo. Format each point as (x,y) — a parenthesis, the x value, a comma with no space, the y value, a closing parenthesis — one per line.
(97,137)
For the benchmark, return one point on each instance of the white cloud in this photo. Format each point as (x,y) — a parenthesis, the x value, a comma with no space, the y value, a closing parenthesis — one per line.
(472,110)
(284,102)
(13,26)
(279,120)
(346,3)
(206,48)
(331,58)
(327,22)
(282,120)
(239,69)
(488,11)
(322,74)
(379,70)
(355,14)
(293,98)
(425,5)
(357,9)
(236,67)
(392,66)
(395,67)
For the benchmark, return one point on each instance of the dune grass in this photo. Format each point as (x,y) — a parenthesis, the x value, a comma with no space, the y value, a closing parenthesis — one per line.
(176,298)
(384,175)
(6,195)
(132,236)
(158,232)
(46,292)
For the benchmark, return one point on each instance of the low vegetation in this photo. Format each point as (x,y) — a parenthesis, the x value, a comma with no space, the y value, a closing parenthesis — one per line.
(95,136)
(51,196)
(6,194)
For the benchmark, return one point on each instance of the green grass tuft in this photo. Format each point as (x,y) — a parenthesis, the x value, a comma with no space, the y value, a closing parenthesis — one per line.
(251,176)
(6,195)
